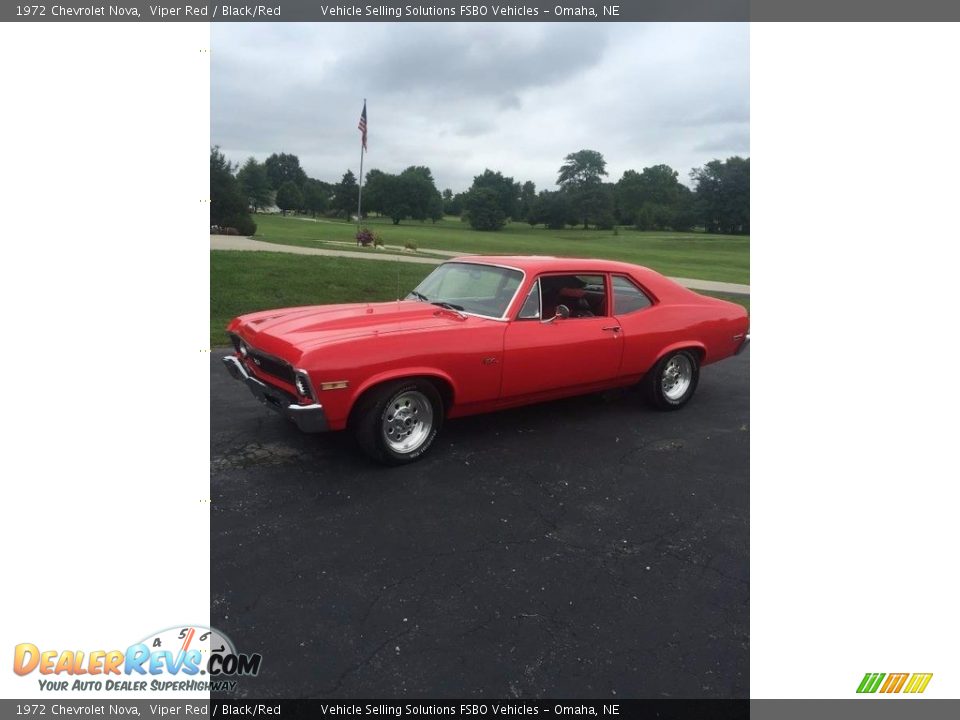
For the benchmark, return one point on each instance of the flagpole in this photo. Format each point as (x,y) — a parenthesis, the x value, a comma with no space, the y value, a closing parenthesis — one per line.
(360,189)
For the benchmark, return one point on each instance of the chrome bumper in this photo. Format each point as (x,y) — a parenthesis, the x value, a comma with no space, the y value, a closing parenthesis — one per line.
(309,418)
(743,345)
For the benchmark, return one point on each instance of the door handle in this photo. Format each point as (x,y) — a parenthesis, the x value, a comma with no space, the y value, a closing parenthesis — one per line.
(612,328)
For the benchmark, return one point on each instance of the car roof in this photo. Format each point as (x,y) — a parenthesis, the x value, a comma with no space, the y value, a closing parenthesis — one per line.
(548,263)
(662,286)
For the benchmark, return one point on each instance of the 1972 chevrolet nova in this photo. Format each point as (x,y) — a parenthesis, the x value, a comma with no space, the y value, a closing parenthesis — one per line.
(481,334)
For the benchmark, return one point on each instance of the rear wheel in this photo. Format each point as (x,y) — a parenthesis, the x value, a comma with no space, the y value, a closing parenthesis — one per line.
(673,380)
(396,423)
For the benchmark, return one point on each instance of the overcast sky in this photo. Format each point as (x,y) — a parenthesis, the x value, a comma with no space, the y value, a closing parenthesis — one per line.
(461,97)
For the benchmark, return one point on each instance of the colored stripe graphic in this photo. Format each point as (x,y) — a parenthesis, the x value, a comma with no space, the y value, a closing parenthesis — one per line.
(894,682)
(870,682)
(918,683)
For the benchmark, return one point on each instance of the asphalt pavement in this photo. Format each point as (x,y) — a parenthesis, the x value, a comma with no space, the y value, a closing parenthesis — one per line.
(589,547)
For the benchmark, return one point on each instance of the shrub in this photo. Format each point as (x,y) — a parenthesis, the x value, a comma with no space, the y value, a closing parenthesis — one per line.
(365,237)
(239,224)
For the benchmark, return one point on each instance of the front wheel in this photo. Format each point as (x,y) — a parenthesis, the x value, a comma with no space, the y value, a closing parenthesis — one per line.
(397,422)
(673,380)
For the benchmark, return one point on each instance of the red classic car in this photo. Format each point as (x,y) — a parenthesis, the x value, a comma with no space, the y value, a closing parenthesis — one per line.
(481,334)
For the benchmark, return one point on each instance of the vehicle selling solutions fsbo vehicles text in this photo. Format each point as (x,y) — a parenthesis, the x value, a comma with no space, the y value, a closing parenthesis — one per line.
(390,11)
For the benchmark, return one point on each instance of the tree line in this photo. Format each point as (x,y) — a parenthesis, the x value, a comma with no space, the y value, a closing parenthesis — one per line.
(651,199)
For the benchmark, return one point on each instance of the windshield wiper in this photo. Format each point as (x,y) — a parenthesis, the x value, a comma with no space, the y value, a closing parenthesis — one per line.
(448,305)
(419,296)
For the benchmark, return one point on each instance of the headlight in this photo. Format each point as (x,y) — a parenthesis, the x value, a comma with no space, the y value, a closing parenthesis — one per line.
(243,348)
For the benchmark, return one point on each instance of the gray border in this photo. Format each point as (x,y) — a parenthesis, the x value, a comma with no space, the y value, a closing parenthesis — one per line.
(430,11)
(863,708)
(535,11)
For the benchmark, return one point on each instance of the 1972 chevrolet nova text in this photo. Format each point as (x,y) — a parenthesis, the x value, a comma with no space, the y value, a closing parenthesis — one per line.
(481,334)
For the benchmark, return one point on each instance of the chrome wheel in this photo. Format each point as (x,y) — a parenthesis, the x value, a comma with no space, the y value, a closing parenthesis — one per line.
(676,378)
(407,421)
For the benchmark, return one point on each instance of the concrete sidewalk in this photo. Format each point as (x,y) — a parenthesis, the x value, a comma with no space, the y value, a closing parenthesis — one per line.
(236,242)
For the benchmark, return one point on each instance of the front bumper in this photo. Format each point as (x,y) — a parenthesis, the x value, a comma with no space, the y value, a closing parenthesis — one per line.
(309,418)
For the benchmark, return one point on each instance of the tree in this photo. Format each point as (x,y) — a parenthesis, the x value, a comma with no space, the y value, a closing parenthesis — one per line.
(484,210)
(435,208)
(228,206)
(451,204)
(655,186)
(528,197)
(398,198)
(553,209)
(315,196)
(419,189)
(374,191)
(580,175)
(685,214)
(723,195)
(411,194)
(581,168)
(346,195)
(255,183)
(504,189)
(289,197)
(602,207)
(420,171)
(651,200)
(283,168)
(628,197)
(457,202)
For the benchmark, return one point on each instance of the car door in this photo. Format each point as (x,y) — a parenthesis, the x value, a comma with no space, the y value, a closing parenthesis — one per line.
(642,335)
(544,352)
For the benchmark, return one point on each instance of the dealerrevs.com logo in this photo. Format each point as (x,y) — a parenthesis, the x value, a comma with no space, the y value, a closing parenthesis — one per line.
(911,683)
(183,659)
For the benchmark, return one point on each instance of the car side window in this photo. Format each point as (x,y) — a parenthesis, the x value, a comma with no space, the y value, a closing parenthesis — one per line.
(627,297)
(531,306)
(584,295)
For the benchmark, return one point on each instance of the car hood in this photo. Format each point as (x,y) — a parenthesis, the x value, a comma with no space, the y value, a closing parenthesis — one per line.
(290,332)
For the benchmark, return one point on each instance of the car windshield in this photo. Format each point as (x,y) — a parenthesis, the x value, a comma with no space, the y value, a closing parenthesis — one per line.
(470,287)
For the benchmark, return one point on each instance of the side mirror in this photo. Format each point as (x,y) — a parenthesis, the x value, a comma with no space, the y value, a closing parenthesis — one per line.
(562,313)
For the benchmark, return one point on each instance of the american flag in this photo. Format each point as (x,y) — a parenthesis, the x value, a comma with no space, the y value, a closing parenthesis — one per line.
(362,127)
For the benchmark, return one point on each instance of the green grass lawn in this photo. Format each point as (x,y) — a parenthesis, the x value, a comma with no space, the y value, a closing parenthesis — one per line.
(693,255)
(243,282)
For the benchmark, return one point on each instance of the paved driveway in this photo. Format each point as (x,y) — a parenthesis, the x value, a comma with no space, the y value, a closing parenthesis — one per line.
(585,547)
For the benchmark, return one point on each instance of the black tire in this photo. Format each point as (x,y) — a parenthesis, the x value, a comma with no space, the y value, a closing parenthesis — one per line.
(372,420)
(656,384)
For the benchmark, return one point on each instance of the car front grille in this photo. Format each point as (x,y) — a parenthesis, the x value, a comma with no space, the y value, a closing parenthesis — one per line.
(271,366)
(265,363)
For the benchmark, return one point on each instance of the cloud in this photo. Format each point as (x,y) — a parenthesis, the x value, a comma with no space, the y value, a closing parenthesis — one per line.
(734,143)
(462,97)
